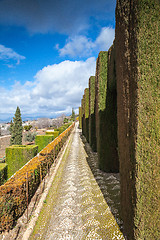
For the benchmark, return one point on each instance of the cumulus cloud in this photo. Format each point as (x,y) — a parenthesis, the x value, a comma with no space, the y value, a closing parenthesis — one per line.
(56,89)
(65,16)
(9,54)
(82,46)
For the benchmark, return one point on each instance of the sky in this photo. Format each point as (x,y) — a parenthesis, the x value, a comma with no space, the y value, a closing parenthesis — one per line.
(48,51)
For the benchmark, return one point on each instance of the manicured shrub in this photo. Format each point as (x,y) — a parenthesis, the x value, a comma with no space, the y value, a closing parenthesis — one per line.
(138,91)
(110,143)
(54,133)
(18,155)
(80,117)
(13,200)
(100,105)
(86,114)
(83,116)
(3,173)
(43,140)
(92,126)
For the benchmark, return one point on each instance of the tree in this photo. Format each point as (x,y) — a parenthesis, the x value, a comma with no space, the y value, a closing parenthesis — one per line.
(16,128)
(27,127)
(30,137)
(73,114)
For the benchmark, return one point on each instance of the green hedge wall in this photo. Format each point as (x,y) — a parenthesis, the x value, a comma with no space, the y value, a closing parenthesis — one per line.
(86,114)
(80,117)
(100,105)
(54,133)
(83,116)
(43,140)
(18,155)
(92,126)
(3,173)
(111,163)
(138,91)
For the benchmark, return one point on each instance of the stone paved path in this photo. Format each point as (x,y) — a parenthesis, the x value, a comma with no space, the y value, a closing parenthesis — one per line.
(75,207)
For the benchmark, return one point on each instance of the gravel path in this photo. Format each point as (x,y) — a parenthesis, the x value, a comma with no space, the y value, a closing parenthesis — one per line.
(75,207)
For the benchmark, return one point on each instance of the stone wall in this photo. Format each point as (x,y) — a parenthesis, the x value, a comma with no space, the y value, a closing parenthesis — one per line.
(4,142)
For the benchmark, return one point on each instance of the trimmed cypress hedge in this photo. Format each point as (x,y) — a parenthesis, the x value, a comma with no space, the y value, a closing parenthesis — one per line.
(54,133)
(80,117)
(86,114)
(83,116)
(111,140)
(18,155)
(3,173)
(92,126)
(43,140)
(138,91)
(100,105)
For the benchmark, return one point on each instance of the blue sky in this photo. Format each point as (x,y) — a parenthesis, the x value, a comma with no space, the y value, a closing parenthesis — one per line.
(48,51)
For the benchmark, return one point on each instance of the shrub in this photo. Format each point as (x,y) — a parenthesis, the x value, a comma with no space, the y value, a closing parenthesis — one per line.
(3,173)
(30,136)
(43,140)
(80,117)
(92,126)
(86,92)
(18,155)
(27,127)
(138,91)
(54,133)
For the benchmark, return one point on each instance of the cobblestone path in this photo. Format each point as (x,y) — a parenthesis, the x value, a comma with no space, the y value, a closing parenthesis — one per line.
(75,207)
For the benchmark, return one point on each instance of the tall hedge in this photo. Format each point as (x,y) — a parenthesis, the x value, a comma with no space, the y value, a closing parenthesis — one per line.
(80,117)
(138,91)
(86,93)
(43,140)
(100,104)
(3,173)
(111,141)
(18,155)
(92,125)
(83,116)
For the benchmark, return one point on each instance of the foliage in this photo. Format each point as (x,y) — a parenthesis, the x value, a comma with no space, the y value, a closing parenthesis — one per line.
(30,136)
(73,115)
(92,127)
(65,120)
(27,127)
(16,129)
(18,155)
(3,173)
(43,140)
(55,133)
(80,117)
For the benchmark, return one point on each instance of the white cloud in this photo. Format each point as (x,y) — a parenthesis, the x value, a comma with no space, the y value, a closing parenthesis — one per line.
(82,46)
(9,53)
(56,89)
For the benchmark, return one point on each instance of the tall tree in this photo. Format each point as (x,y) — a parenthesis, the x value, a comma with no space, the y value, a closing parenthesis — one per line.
(73,114)
(16,128)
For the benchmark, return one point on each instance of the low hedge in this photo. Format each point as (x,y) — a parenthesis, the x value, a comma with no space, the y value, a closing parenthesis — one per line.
(43,140)
(13,200)
(3,173)
(18,155)
(54,133)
